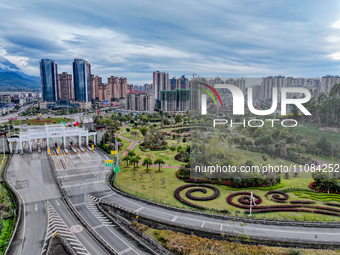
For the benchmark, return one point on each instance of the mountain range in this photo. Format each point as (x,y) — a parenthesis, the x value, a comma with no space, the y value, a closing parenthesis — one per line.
(13,79)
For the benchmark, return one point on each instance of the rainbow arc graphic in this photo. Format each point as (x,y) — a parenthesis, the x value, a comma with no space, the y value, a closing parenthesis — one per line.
(204,106)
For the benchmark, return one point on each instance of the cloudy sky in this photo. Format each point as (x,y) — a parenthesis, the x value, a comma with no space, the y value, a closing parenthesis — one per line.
(134,38)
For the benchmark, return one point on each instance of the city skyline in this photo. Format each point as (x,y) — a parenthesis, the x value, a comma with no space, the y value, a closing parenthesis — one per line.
(229,39)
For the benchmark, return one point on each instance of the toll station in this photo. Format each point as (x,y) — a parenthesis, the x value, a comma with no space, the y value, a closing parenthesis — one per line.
(44,135)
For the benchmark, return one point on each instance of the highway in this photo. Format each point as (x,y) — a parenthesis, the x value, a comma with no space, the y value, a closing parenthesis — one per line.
(84,173)
(31,175)
(46,213)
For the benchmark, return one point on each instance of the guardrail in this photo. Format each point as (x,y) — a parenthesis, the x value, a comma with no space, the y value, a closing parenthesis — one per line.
(66,245)
(231,236)
(17,199)
(127,232)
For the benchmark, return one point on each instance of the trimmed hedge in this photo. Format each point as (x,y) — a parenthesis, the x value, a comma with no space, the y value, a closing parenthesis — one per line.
(188,194)
(277,196)
(243,203)
(302,202)
(215,195)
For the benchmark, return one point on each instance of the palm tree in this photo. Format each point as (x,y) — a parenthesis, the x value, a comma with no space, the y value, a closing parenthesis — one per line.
(131,153)
(134,160)
(138,158)
(159,161)
(146,162)
(126,158)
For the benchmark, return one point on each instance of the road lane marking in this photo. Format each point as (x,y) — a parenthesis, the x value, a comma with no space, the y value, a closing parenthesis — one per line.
(203,224)
(82,184)
(99,226)
(175,218)
(221,227)
(125,251)
(79,204)
(113,193)
(57,203)
(36,207)
(139,209)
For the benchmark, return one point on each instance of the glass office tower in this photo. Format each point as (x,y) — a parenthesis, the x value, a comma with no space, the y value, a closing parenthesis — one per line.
(49,80)
(82,80)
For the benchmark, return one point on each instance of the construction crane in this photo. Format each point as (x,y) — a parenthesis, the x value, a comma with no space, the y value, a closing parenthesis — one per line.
(193,75)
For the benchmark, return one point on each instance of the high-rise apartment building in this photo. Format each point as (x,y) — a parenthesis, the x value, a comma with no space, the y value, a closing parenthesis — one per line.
(95,82)
(82,80)
(122,87)
(160,82)
(175,100)
(195,93)
(174,83)
(140,102)
(103,92)
(327,82)
(183,83)
(114,88)
(65,87)
(49,80)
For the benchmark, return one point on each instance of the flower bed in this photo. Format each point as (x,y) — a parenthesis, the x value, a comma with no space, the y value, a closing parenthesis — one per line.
(179,159)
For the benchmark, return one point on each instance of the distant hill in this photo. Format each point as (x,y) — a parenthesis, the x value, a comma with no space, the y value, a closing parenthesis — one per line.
(13,79)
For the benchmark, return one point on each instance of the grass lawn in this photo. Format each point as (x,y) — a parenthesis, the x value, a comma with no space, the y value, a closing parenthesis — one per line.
(40,122)
(4,199)
(128,135)
(156,192)
(167,155)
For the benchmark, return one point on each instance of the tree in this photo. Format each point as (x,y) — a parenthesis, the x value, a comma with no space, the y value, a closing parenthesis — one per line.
(152,178)
(146,162)
(284,133)
(184,140)
(126,158)
(230,142)
(128,130)
(134,133)
(264,158)
(134,160)
(297,140)
(295,110)
(131,153)
(283,151)
(335,91)
(178,118)
(237,181)
(296,174)
(159,161)
(172,148)
(329,183)
(286,175)
(143,130)
(249,163)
